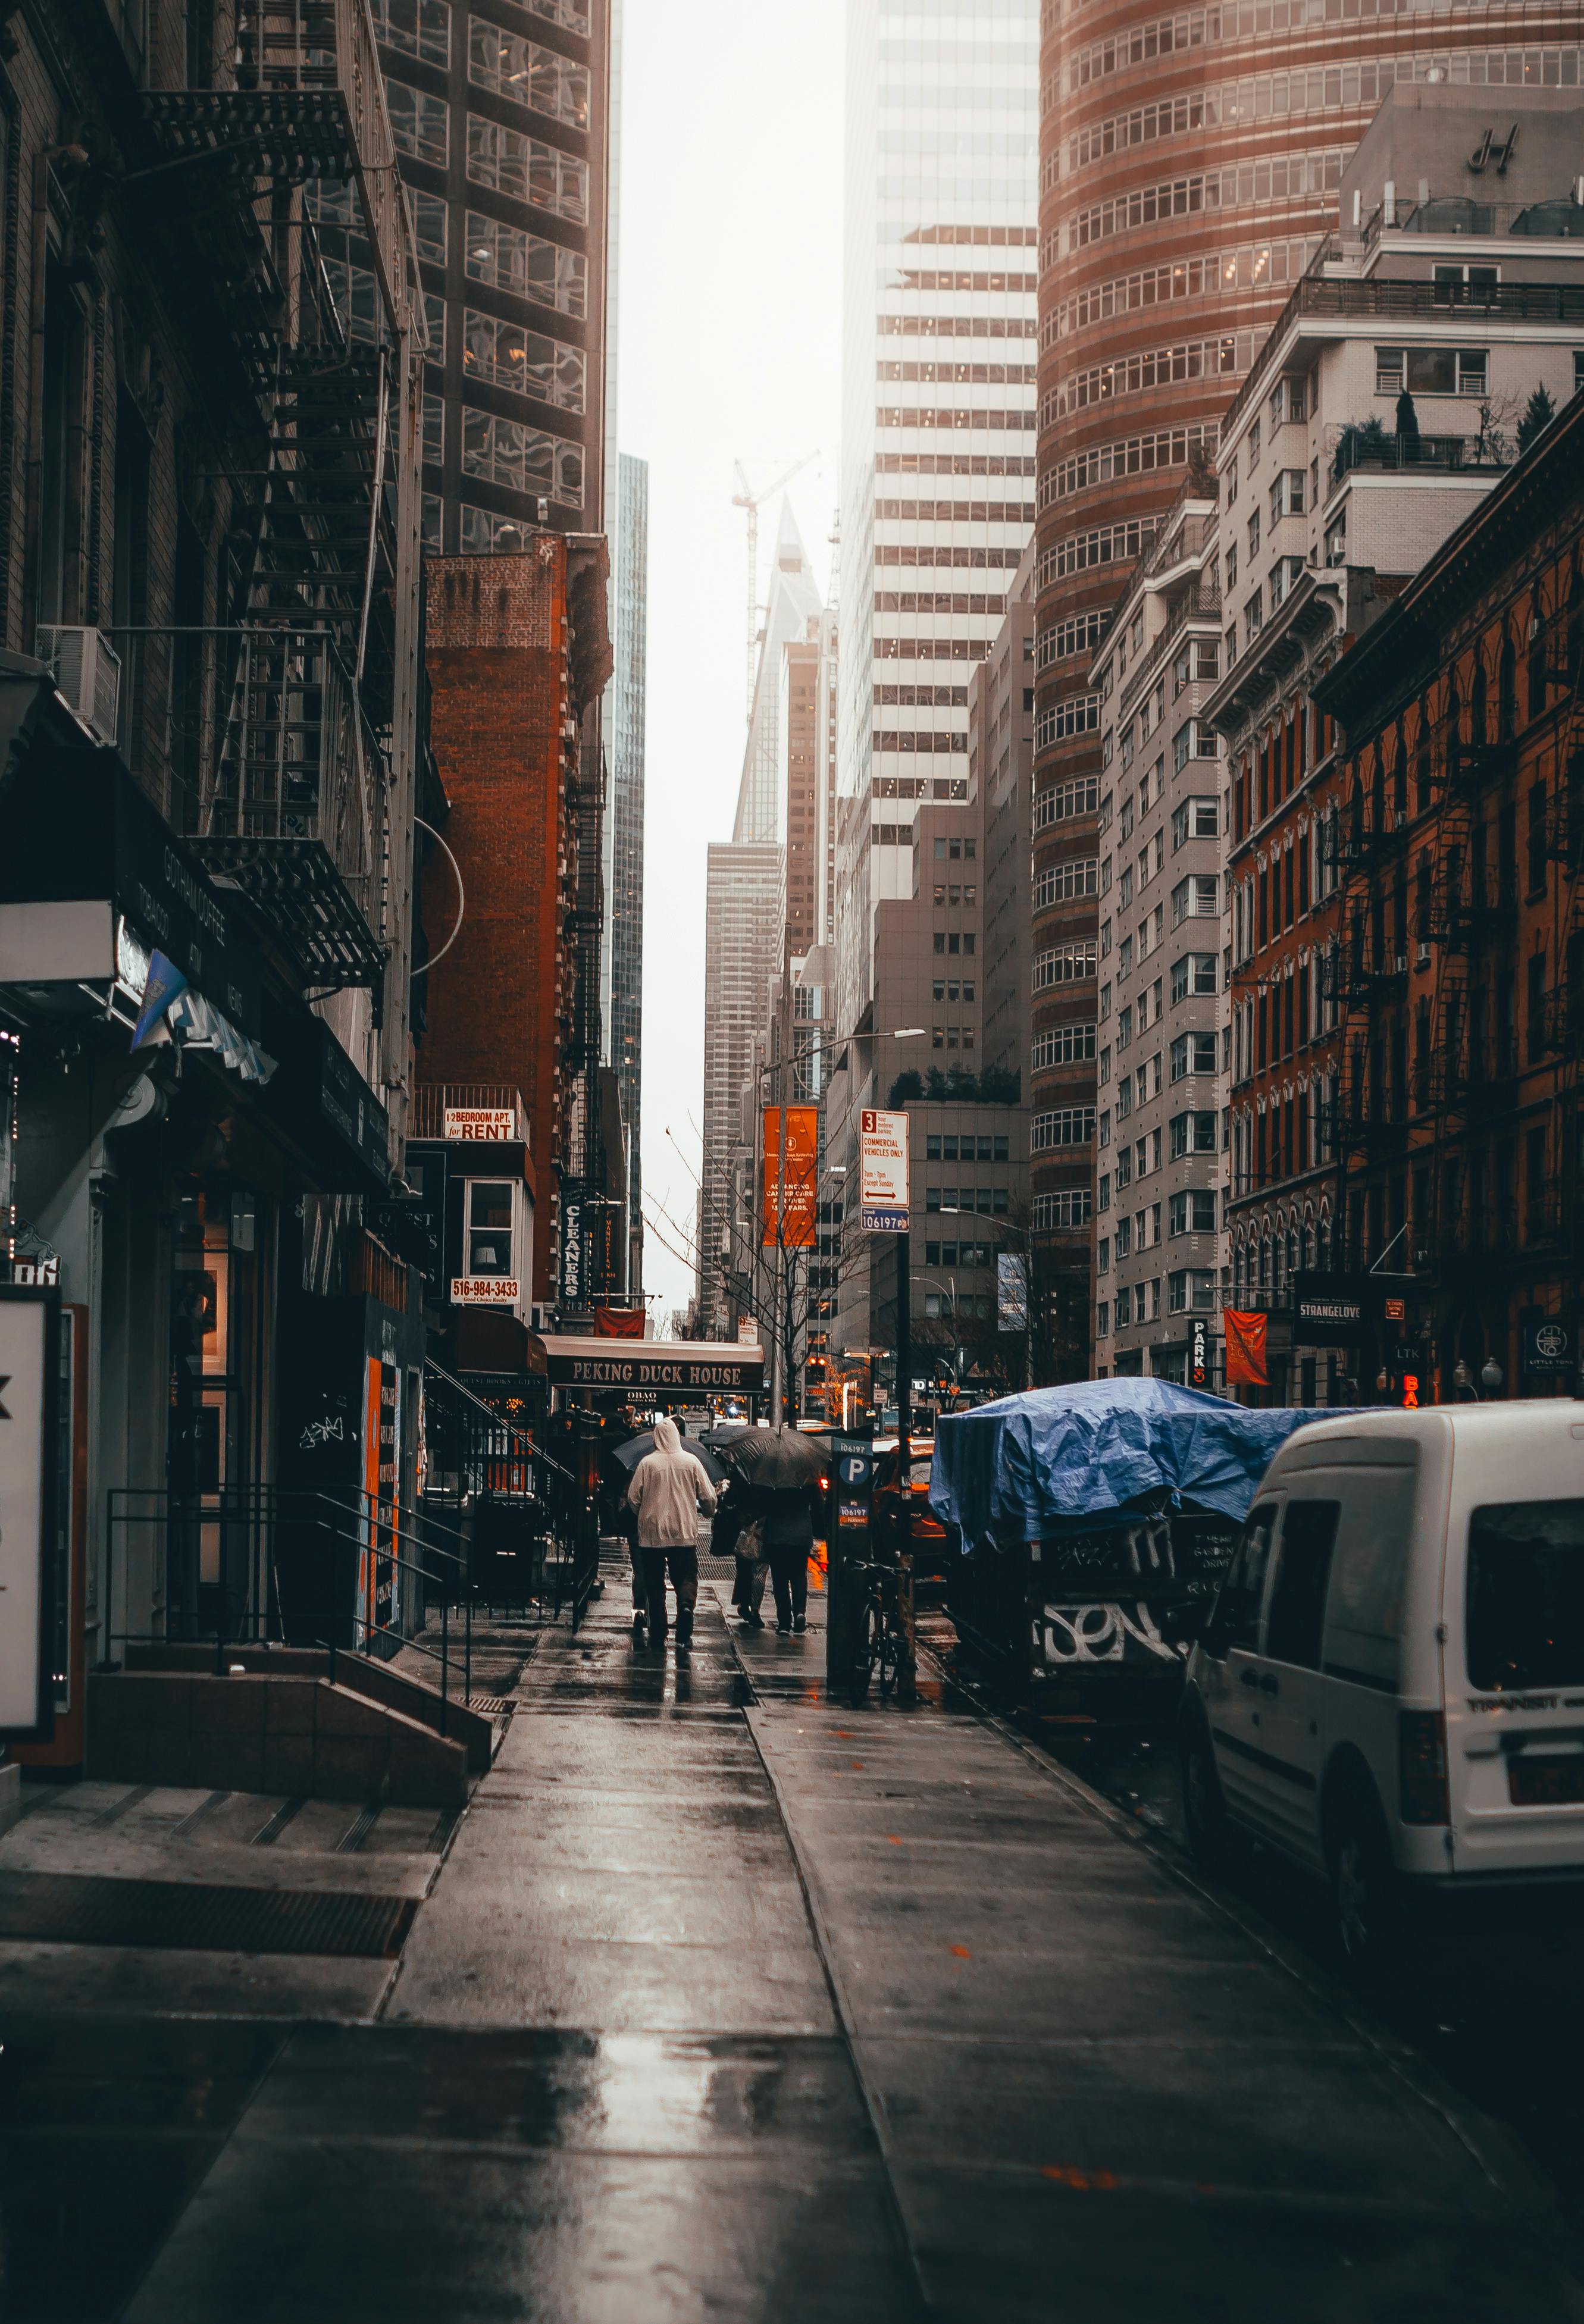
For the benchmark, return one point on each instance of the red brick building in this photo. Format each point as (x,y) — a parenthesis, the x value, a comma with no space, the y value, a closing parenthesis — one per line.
(1463,920)
(517,653)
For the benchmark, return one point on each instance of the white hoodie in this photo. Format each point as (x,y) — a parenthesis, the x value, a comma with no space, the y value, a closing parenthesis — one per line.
(668,1488)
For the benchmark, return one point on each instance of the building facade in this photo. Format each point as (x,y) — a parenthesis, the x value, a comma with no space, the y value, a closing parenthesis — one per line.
(518,652)
(501,119)
(1461,925)
(1346,459)
(937,449)
(624,731)
(742,959)
(211,771)
(1160,1067)
(1189,171)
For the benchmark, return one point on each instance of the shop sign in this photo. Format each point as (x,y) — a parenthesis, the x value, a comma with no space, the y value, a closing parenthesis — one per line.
(485,1290)
(1548,1347)
(574,1268)
(350,1107)
(721,1364)
(489,1125)
(1198,1353)
(1011,1292)
(883,1172)
(29,1324)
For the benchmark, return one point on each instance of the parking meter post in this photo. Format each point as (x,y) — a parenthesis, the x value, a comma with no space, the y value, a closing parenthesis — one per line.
(847,1550)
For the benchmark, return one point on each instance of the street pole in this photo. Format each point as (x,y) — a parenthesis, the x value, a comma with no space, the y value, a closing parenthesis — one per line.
(905,1687)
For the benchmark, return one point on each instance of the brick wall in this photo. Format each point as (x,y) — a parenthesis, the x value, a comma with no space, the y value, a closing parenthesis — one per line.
(497,1003)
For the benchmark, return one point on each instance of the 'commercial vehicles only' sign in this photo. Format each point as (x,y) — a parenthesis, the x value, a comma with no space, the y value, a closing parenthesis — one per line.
(883,1172)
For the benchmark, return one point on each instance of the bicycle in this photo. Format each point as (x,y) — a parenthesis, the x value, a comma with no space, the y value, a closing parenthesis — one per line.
(883,1644)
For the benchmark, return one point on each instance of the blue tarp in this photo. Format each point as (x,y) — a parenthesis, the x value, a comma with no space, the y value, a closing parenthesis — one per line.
(1053,1458)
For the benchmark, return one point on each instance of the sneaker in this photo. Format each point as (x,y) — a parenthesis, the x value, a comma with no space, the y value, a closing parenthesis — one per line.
(799,1624)
(750,1620)
(639,1627)
(784,1630)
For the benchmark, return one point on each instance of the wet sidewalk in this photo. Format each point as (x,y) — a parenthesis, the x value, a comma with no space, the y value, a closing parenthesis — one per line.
(729,2002)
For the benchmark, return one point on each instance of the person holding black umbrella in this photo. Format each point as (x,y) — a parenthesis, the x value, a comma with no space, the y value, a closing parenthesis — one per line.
(777,1473)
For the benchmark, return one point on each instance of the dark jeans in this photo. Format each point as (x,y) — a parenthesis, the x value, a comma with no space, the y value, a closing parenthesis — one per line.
(790,1580)
(683,1562)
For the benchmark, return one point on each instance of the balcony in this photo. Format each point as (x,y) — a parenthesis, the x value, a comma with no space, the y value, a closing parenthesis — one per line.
(1372,447)
(276,776)
(1440,215)
(1365,979)
(468,1104)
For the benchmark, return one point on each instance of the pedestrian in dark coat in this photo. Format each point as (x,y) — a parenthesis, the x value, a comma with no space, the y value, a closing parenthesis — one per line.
(790,1523)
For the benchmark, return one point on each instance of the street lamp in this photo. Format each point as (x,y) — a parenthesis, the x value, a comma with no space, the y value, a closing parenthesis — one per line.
(985,1218)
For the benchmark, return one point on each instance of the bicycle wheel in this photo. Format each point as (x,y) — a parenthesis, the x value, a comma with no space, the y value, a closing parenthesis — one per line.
(889,1663)
(867,1650)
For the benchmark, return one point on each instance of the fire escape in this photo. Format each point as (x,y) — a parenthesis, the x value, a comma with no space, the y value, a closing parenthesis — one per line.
(294,704)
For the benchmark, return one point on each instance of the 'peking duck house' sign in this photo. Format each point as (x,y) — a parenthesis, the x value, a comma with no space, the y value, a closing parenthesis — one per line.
(710,1365)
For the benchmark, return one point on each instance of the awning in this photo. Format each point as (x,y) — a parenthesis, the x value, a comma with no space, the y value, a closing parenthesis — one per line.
(721,1367)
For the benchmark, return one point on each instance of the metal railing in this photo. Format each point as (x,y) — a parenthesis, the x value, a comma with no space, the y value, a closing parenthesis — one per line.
(531,1527)
(433,1100)
(339,1571)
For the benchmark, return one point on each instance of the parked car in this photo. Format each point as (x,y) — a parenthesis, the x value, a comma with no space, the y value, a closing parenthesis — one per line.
(1390,1685)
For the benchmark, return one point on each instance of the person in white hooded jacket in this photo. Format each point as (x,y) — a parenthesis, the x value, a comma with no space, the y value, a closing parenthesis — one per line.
(669,1487)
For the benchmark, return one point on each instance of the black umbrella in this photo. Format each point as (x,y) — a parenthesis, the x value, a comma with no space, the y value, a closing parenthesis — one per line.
(778,1460)
(726,1432)
(630,1453)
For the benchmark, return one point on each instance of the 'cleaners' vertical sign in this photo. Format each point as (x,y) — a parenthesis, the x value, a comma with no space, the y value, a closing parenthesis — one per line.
(29,1339)
(883,1172)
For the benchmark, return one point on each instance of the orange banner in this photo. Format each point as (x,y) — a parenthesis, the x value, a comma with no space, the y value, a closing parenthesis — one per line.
(1245,1347)
(618,1323)
(792,1172)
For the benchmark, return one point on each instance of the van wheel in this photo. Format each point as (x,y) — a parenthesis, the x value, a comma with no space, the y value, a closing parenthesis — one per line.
(1204,1808)
(1366,1897)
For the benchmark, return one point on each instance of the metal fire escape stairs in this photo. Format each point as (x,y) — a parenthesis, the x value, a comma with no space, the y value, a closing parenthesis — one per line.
(291,802)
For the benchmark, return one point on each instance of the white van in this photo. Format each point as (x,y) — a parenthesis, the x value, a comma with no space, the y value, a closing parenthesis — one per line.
(1390,1686)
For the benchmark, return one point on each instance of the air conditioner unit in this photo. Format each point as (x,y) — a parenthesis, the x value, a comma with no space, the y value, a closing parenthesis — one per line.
(87,670)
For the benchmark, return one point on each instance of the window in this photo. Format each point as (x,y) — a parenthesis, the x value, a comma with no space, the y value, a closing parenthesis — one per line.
(1062,1044)
(1296,1615)
(527,459)
(434,429)
(1431,370)
(1056,721)
(1102,1319)
(488,1226)
(508,355)
(1197,898)
(518,69)
(1253,534)
(1193,1133)
(1525,1610)
(1286,494)
(1285,576)
(514,163)
(1124,1306)
(431,521)
(1196,818)
(419,28)
(1200,659)
(1193,740)
(1194,974)
(1192,1212)
(511,259)
(419,123)
(1063,800)
(1069,1207)
(430,215)
(1067,1125)
(356,295)
(1061,964)
(1235,1621)
(1192,1053)
(1058,883)
(1287,401)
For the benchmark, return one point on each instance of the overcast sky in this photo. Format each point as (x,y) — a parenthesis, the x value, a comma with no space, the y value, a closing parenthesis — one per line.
(729,336)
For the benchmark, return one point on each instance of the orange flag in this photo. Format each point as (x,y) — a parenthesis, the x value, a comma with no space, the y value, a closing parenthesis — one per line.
(1245,1335)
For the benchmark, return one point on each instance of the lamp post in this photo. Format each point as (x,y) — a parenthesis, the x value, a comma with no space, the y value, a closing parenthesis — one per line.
(777,1302)
(956,1211)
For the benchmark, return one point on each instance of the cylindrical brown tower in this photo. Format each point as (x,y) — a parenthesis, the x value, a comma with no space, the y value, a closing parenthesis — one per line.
(1189,162)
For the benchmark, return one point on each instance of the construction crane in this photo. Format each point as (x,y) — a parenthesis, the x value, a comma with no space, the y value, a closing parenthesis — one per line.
(745,497)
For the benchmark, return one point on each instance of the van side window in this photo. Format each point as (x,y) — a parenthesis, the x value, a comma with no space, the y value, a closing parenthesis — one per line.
(1364,1605)
(1237,1613)
(1297,1595)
